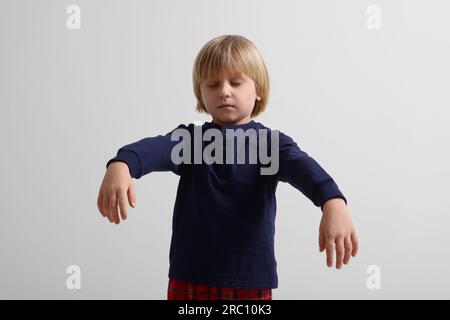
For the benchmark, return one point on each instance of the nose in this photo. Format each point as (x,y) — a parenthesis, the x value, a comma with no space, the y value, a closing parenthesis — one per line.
(225,90)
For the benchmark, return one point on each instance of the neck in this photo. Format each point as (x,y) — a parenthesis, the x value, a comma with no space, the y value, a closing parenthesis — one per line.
(239,122)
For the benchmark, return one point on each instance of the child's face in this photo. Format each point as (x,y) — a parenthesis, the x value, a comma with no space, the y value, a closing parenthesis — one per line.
(238,90)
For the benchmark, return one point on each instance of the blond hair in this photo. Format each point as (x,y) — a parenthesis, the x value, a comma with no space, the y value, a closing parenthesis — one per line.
(231,54)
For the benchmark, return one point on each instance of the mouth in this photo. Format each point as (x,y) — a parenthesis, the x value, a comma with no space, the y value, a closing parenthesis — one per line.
(226,106)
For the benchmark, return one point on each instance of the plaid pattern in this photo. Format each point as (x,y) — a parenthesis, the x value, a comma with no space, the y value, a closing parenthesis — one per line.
(182,290)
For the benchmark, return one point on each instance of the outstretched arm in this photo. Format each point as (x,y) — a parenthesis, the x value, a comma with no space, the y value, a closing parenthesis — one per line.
(133,161)
(336,232)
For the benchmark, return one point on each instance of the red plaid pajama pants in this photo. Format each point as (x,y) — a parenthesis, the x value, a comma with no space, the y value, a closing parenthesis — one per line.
(182,290)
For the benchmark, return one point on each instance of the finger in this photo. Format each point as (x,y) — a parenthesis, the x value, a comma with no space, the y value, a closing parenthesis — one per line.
(321,241)
(355,243)
(131,195)
(339,252)
(114,210)
(348,249)
(105,203)
(99,203)
(330,252)
(123,206)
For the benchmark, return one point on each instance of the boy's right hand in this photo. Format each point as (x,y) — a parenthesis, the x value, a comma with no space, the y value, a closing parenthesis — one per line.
(115,190)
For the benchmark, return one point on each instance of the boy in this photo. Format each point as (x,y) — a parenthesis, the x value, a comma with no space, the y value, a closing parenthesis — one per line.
(223,228)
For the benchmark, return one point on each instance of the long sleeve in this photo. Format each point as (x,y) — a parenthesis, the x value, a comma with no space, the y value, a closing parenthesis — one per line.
(305,174)
(148,155)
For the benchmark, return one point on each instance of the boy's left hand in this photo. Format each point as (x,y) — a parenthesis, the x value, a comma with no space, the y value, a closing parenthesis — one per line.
(337,233)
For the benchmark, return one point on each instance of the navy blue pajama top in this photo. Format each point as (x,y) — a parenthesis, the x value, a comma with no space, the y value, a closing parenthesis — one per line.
(223,224)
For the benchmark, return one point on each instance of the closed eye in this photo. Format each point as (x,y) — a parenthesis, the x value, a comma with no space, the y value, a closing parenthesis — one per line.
(233,84)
